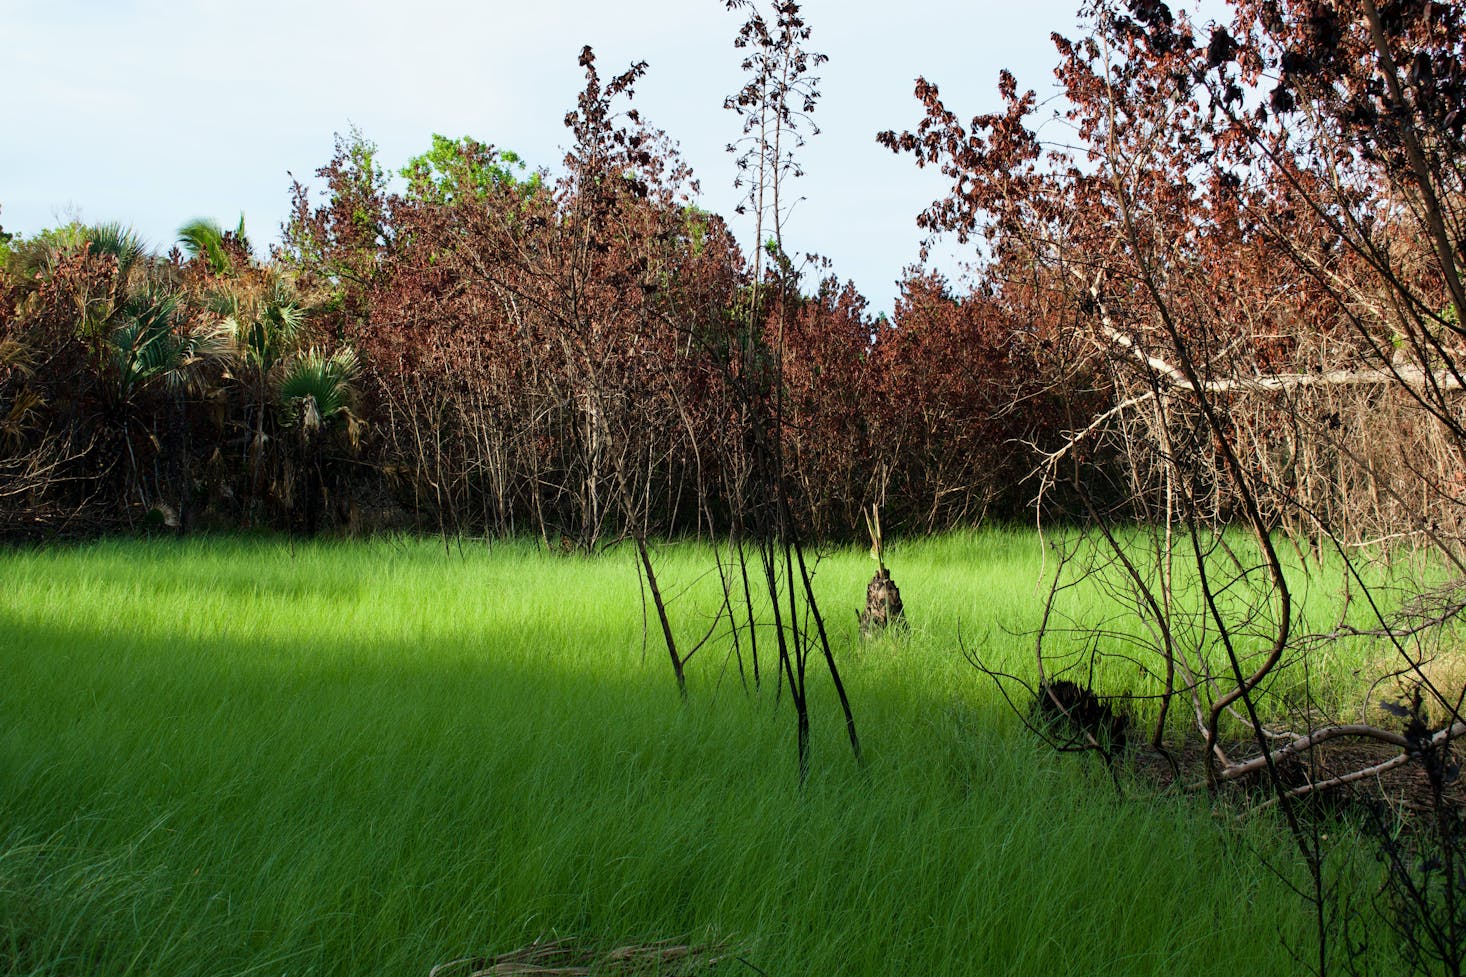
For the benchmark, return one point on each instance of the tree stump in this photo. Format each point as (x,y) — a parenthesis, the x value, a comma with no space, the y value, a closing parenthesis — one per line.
(1078,715)
(882,605)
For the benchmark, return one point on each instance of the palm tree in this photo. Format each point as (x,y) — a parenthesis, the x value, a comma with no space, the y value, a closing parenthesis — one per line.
(316,393)
(265,320)
(139,341)
(154,347)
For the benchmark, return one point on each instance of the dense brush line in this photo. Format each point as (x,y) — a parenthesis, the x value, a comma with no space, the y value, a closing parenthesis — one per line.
(493,352)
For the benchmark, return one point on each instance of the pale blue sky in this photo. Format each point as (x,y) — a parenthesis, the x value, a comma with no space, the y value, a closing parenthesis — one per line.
(154,112)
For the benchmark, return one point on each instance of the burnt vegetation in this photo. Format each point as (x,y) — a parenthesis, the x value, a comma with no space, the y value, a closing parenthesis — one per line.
(571,354)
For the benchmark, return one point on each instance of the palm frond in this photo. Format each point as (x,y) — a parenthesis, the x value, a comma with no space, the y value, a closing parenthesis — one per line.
(224,303)
(279,322)
(241,236)
(316,389)
(204,238)
(265,326)
(120,242)
(16,355)
(20,416)
(203,347)
(154,344)
(140,341)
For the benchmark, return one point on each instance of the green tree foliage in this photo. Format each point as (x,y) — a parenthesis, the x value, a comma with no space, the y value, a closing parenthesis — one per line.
(342,241)
(465,171)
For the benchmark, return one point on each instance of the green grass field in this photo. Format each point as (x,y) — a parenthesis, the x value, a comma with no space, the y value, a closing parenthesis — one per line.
(232,756)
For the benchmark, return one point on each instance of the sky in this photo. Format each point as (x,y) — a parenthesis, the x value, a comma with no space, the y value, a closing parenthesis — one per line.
(156,112)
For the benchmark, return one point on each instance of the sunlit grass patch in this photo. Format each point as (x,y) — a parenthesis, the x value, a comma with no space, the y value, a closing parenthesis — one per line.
(242,756)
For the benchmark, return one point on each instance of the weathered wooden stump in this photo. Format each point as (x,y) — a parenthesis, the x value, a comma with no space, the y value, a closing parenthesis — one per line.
(882,605)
